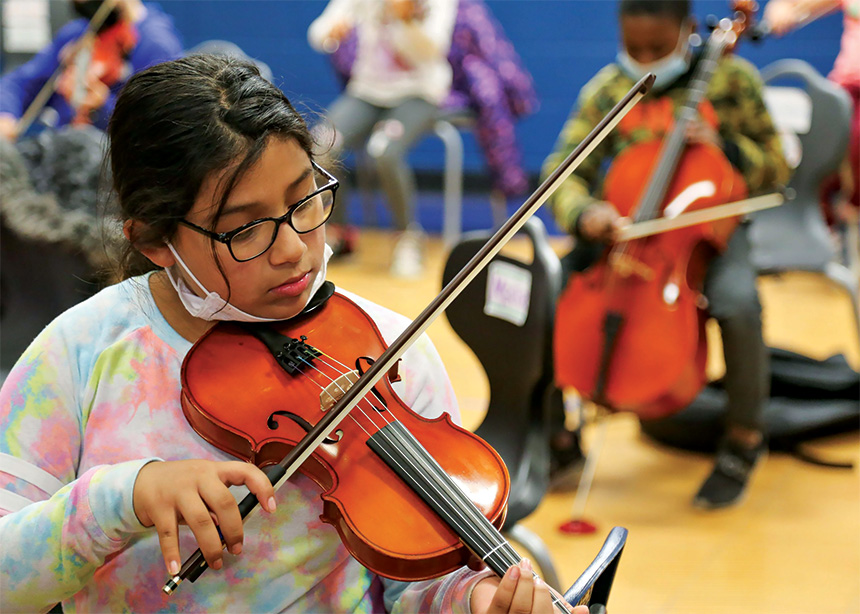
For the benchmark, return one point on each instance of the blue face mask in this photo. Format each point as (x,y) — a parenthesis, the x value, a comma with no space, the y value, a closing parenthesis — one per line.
(667,70)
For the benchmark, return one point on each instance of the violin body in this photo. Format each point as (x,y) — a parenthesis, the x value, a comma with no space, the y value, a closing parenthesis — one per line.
(95,64)
(232,387)
(656,364)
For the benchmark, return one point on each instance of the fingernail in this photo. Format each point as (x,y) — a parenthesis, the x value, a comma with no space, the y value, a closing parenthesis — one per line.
(271,504)
(526,565)
(217,564)
(236,549)
(515,572)
(173,567)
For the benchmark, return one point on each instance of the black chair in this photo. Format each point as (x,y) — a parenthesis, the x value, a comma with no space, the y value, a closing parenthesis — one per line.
(505,316)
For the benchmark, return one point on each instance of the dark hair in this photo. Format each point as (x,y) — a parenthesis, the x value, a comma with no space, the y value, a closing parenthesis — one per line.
(679,9)
(176,123)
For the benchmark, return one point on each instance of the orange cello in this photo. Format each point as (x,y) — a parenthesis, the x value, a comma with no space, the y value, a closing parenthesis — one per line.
(630,331)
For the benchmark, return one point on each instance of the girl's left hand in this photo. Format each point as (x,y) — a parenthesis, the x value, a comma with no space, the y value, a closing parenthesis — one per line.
(518,592)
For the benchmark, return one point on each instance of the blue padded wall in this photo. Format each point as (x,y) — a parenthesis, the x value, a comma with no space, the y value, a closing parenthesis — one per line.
(562,42)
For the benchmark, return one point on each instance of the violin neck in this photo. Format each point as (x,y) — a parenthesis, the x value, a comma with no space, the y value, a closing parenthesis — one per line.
(673,146)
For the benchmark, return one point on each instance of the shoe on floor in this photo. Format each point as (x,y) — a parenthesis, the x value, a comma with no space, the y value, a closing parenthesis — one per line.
(407,258)
(732,470)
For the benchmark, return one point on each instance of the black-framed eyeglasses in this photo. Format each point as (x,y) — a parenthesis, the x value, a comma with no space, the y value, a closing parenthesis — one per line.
(254,238)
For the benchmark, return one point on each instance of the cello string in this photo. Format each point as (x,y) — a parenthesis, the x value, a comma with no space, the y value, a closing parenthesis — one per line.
(670,153)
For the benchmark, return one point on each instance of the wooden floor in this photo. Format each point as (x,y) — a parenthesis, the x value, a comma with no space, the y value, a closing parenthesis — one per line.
(792,546)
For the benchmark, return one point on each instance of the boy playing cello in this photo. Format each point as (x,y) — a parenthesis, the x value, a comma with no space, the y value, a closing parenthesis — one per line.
(654,35)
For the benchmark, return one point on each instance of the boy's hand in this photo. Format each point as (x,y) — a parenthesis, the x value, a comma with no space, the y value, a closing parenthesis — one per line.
(194,492)
(601,222)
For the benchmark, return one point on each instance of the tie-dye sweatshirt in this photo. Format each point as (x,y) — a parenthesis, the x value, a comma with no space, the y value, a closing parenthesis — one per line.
(93,399)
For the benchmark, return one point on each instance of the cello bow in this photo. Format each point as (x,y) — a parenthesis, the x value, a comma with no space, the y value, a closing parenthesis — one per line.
(665,224)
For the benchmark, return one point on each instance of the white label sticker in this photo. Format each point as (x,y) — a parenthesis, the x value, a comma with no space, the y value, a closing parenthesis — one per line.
(509,289)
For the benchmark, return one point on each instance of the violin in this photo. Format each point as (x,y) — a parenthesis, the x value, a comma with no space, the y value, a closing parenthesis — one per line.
(95,65)
(313,394)
(88,68)
(299,369)
(630,330)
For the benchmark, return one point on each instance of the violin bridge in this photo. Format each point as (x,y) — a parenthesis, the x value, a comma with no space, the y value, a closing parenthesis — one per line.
(334,392)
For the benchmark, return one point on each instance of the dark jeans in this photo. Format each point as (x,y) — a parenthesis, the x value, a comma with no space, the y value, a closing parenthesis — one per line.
(730,287)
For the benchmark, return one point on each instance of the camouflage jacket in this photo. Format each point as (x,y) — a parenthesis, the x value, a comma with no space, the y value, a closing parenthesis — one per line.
(734,105)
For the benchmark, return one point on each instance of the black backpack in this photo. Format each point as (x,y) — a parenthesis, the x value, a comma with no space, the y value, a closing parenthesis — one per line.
(808,399)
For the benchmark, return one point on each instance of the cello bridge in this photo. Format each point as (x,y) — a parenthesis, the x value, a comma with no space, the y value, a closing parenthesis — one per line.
(334,392)
(625,265)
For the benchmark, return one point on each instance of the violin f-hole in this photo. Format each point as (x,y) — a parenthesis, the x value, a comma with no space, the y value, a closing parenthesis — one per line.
(393,376)
(272,423)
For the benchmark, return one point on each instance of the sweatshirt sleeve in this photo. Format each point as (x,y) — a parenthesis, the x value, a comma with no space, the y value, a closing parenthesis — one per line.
(57,527)
(52,548)
(450,594)
(335,11)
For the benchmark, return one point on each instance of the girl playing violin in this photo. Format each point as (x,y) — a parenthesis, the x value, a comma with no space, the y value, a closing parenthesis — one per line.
(224,207)
(733,118)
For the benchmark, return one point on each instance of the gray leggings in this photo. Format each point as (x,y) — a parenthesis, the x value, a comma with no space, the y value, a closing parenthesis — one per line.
(389,133)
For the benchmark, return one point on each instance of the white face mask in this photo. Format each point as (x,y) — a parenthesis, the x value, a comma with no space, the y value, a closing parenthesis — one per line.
(214,307)
(667,70)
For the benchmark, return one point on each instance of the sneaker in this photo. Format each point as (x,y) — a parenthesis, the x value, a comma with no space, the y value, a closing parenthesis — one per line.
(407,259)
(731,473)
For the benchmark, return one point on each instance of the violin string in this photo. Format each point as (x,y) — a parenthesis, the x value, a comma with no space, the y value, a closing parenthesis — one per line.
(332,381)
(488,535)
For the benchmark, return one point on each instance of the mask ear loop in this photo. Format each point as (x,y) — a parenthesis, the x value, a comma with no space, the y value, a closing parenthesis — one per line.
(185,268)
